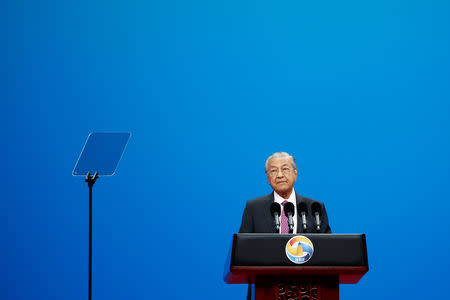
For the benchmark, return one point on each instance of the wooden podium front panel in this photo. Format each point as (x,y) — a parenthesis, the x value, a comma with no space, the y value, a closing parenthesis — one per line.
(293,288)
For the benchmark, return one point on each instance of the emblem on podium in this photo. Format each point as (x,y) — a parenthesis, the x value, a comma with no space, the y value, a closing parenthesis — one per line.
(299,249)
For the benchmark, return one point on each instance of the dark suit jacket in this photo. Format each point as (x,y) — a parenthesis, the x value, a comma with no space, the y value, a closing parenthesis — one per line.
(258,219)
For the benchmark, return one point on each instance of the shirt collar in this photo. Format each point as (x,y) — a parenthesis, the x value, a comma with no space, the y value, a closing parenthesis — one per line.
(277,198)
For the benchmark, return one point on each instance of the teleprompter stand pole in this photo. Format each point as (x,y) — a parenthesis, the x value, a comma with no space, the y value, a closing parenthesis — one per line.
(90,179)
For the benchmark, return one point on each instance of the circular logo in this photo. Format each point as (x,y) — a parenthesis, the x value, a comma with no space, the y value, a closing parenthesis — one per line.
(299,249)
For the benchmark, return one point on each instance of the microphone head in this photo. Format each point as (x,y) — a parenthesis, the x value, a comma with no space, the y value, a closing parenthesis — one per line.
(316,207)
(302,207)
(289,209)
(275,208)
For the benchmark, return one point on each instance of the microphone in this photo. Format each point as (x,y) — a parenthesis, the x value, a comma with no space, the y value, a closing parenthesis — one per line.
(316,211)
(302,209)
(289,212)
(275,210)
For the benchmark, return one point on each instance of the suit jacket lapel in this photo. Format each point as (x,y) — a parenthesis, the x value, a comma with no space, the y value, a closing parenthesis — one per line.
(267,215)
(298,199)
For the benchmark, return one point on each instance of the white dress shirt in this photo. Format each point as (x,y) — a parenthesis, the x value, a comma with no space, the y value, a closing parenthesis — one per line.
(278,199)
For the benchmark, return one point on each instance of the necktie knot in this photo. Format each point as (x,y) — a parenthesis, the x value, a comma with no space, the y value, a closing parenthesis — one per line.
(284,202)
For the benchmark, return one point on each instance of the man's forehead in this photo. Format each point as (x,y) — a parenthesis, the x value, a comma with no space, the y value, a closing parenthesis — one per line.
(279,161)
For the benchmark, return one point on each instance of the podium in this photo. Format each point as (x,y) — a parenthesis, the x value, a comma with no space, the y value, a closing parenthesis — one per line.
(262,259)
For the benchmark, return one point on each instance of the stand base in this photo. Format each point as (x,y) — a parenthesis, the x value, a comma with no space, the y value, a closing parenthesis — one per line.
(293,288)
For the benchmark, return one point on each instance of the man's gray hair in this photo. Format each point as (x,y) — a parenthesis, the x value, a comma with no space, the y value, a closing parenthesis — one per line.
(281,154)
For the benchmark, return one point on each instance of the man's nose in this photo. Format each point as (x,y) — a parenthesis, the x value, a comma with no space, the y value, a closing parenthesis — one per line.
(280,174)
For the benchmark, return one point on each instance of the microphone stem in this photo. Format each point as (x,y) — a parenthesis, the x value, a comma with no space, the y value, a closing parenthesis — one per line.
(317,221)
(304,220)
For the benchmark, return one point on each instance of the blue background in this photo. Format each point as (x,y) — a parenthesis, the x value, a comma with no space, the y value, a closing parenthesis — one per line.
(357,91)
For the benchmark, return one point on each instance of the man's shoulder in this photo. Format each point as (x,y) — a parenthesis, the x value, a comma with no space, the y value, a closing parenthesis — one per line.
(307,200)
(260,200)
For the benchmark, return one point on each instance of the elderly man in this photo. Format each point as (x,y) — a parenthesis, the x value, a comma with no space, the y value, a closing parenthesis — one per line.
(281,171)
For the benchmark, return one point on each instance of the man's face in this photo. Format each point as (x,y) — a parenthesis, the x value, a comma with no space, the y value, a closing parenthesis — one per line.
(281,175)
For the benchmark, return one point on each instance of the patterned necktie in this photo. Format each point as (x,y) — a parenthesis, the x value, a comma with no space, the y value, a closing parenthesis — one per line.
(284,220)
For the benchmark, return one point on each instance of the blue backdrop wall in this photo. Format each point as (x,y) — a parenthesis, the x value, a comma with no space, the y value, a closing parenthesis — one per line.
(357,91)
